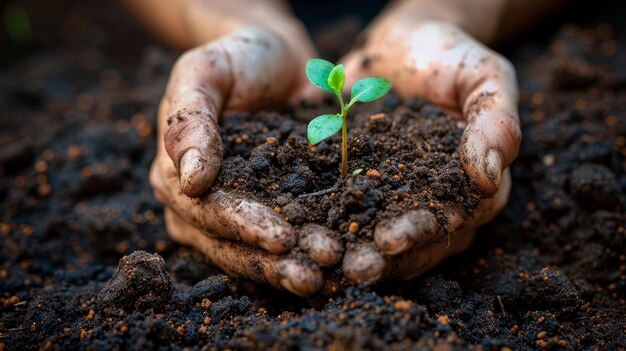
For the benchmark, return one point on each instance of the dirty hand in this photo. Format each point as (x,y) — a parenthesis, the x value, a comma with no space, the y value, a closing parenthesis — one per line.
(247,69)
(437,61)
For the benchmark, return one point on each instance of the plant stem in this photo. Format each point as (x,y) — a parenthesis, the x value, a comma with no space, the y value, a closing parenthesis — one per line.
(344,138)
(344,147)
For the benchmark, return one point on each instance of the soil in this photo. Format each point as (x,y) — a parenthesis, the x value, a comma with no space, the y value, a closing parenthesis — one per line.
(76,141)
(401,156)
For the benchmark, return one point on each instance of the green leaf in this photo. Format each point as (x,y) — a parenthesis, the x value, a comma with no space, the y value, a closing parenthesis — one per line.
(370,89)
(357,171)
(322,127)
(336,78)
(318,71)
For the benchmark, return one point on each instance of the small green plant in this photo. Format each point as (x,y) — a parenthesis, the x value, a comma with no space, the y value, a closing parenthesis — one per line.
(331,78)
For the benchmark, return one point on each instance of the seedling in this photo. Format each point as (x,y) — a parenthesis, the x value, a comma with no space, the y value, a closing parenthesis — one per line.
(331,78)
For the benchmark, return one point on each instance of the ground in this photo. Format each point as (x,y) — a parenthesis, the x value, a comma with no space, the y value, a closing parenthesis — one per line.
(76,141)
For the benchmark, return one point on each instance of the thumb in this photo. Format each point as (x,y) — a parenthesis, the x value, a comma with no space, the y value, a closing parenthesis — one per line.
(193,143)
(492,136)
(190,112)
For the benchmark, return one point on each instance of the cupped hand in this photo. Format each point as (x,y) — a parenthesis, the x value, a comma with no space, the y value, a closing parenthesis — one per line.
(248,69)
(437,61)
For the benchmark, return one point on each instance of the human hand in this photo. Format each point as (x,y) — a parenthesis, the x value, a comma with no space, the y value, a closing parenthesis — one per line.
(437,61)
(248,69)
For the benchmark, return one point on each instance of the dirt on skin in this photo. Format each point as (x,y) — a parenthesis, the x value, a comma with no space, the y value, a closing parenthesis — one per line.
(76,141)
(402,156)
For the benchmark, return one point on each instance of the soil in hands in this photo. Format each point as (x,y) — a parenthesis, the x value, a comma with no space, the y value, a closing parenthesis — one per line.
(402,155)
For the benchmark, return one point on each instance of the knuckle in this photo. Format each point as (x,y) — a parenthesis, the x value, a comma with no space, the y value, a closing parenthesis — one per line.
(182,128)
(511,132)
(186,59)
(504,65)
(515,133)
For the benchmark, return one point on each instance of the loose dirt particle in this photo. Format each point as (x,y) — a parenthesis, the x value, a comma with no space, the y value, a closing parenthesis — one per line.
(160,246)
(26,230)
(206,303)
(372,173)
(377,117)
(41,166)
(402,305)
(74,152)
(443,319)
(272,141)
(44,190)
(542,344)
(353,228)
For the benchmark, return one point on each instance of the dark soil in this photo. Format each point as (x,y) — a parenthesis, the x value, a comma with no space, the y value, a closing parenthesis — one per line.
(76,142)
(401,156)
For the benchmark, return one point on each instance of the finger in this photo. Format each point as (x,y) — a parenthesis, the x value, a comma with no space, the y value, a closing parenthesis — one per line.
(319,244)
(243,220)
(243,71)
(488,96)
(238,260)
(190,112)
(221,214)
(393,236)
(363,263)
(299,276)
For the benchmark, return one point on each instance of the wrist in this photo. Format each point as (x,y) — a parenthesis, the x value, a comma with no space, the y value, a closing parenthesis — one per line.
(214,24)
(479,18)
(208,20)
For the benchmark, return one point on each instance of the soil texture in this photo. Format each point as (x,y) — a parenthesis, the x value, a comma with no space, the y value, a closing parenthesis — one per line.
(85,262)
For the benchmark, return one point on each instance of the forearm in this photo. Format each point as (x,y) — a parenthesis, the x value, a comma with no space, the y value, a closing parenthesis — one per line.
(489,21)
(188,23)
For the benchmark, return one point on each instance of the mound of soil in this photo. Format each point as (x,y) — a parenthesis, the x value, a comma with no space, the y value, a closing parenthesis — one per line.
(76,142)
(401,156)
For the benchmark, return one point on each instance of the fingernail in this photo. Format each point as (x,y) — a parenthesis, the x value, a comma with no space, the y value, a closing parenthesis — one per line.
(316,241)
(298,278)
(394,237)
(189,166)
(493,167)
(277,238)
(394,243)
(363,263)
